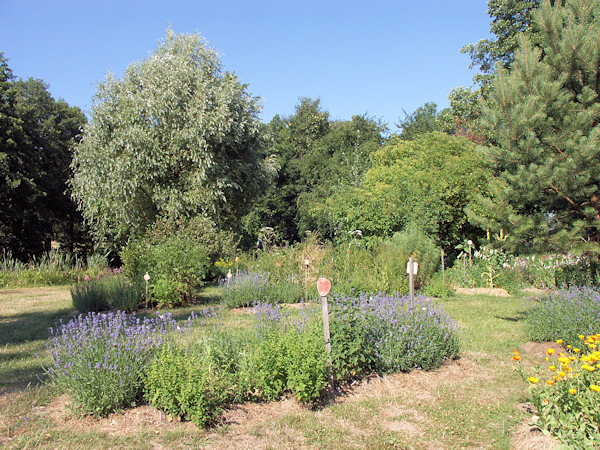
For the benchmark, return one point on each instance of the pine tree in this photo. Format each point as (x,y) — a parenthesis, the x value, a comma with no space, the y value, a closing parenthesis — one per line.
(545,111)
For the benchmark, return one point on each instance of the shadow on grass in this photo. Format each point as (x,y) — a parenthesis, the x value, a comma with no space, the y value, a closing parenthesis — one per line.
(518,317)
(31,326)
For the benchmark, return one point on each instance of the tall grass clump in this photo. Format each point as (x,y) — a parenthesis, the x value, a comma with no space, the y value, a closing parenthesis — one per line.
(99,359)
(565,314)
(49,269)
(105,293)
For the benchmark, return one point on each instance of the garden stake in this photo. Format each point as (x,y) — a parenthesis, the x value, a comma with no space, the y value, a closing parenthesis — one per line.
(306,263)
(323,287)
(443,268)
(229,275)
(411,281)
(146,279)
(236,265)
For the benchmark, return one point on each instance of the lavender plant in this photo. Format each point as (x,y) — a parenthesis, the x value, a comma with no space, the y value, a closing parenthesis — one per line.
(99,359)
(385,333)
(565,314)
(247,288)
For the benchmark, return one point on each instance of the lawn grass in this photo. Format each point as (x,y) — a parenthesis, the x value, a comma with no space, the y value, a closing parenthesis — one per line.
(470,402)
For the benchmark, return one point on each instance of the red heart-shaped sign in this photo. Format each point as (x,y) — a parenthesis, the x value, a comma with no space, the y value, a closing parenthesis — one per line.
(323,286)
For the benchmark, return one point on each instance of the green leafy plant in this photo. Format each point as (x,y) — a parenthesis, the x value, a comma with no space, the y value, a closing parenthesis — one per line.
(184,383)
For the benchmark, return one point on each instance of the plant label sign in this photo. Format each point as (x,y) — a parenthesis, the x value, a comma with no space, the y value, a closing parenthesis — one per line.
(323,286)
(415,267)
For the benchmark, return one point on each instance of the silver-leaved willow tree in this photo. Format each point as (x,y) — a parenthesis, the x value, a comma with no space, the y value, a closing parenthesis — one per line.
(177,136)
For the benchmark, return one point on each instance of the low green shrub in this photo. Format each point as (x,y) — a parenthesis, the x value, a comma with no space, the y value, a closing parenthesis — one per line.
(283,357)
(438,287)
(184,383)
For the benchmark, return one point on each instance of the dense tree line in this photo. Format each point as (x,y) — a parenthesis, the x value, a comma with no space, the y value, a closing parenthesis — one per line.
(178,138)
(37,135)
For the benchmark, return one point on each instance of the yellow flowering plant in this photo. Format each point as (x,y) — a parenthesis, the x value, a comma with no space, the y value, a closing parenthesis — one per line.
(565,390)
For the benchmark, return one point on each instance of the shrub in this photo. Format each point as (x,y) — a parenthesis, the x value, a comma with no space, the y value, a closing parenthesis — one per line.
(102,294)
(99,358)
(174,259)
(566,393)
(203,232)
(437,287)
(566,314)
(184,383)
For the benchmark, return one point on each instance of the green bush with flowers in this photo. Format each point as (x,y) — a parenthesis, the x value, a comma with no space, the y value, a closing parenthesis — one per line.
(566,392)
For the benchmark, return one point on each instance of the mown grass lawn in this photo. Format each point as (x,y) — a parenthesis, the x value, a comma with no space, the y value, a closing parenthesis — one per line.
(470,402)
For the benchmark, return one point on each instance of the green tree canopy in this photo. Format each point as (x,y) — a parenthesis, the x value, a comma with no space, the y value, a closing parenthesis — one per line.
(176,136)
(427,182)
(314,156)
(425,119)
(37,134)
(545,111)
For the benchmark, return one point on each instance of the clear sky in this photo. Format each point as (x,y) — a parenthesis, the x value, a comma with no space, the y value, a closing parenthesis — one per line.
(359,57)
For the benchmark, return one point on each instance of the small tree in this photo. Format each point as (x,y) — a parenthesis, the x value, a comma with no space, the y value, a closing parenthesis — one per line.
(177,136)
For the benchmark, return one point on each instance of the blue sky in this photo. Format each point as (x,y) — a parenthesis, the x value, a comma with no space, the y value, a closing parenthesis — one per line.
(359,57)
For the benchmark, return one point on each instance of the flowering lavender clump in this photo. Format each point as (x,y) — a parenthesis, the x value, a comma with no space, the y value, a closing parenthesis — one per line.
(246,288)
(565,314)
(385,333)
(268,317)
(99,359)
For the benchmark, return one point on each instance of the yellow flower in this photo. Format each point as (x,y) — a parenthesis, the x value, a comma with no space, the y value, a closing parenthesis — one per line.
(562,374)
(595,388)
(560,341)
(564,360)
(576,350)
(550,382)
(547,359)
(592,346)
(550,351)
(581,336)
(588,368)
(516,357)
(533,380)
(572,391)
(569,346)
(552,368)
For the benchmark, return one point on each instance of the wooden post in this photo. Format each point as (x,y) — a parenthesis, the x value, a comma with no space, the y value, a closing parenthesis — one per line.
(146,279)
(237,259)
(229,275)
(306,264)
(411,281)
(324,286)
(443,268)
